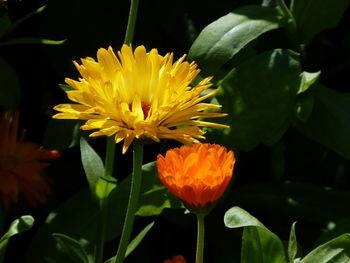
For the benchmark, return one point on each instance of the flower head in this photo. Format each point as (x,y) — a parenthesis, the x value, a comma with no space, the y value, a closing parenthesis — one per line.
(176,259)
(198,175)
(21,166)
(138,95)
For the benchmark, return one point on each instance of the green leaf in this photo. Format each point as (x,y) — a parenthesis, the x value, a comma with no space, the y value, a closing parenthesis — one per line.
(93,167)
(135,242)
(307,79)
(334,251)
(259,97)
(292,244)
(18,226)
(237,217)
(225,37)
(329,122)
(259,245)
(69,134)
(104,187)
(29,15)
(32,40)
(72,248)
(77,217)
(313,16)
(65,87)
(9,86)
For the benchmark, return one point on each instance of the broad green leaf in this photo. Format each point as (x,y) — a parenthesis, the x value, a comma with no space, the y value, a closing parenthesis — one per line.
(222,39)
(292,244)
(93,166)
(307,79)
(329,122)
(259,97)
(313,16)
(259,245)
(335,251)
(69,134)
(31,40)
(237,217)
(72,248)
(18,226)
(77,217)
(9,86)
(135,242)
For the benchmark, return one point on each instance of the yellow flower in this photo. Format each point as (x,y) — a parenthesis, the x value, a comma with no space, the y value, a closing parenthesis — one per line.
(198,175)
(21,166)
(139,95)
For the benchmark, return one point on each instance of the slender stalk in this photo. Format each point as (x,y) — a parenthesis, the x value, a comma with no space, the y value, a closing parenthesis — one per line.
(133,200)
(131,22)
(200,238)
(102,220)
(287,12)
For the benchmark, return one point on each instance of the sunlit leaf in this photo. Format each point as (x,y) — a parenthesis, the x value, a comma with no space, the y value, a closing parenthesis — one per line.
(259,245)
(335,251)
(292,244)
(225,37)
(93,166)
(18,226)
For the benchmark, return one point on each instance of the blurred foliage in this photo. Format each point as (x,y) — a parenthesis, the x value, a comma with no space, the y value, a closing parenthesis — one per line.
(283,77)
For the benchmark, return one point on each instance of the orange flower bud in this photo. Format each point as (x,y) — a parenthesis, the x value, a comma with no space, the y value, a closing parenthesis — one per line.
(198,175)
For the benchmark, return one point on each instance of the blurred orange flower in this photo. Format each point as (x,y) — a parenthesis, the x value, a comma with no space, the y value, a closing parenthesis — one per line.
(21,166)
(176,259)
(198,175)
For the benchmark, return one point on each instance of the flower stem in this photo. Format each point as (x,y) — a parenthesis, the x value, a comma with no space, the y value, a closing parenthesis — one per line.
(102,220)
(200,238)
(131,22)
(133,200)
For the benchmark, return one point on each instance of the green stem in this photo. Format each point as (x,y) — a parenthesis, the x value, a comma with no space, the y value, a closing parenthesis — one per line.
(102,220)
(133,200)
(131,22)
(287,13)
(200,238)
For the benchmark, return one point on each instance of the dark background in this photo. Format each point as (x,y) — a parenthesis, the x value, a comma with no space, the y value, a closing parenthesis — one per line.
(169,26)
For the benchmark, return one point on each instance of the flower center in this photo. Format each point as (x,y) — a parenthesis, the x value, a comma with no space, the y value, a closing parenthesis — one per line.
(145,108)
(7,162)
